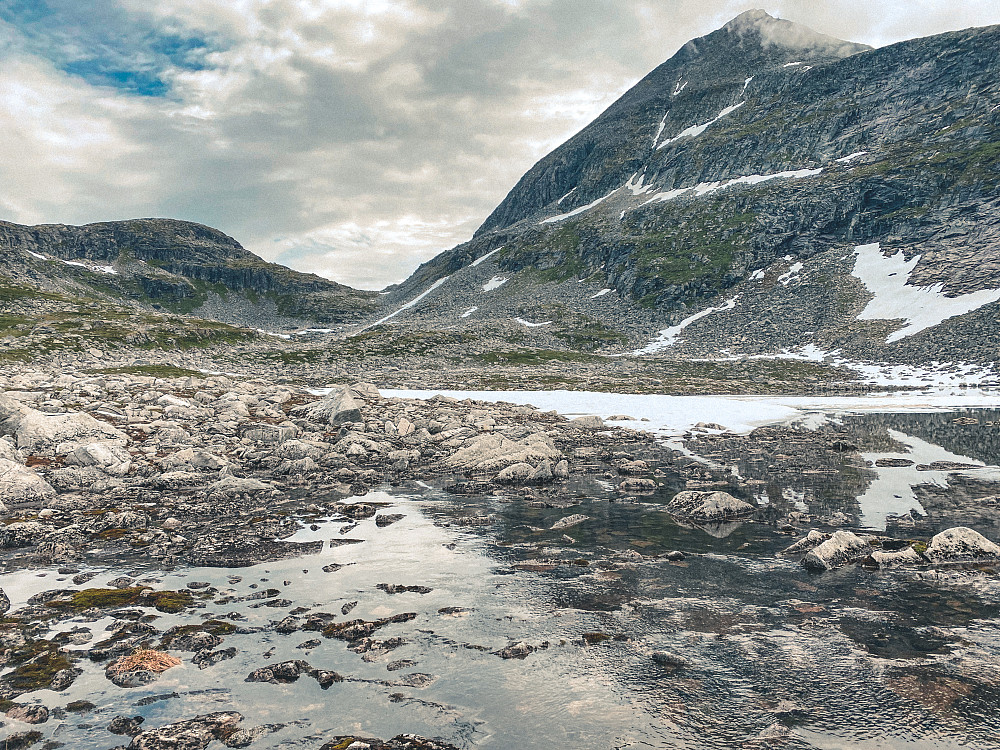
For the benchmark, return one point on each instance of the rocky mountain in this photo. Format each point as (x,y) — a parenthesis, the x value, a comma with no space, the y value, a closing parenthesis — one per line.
(768,188)
(173,266)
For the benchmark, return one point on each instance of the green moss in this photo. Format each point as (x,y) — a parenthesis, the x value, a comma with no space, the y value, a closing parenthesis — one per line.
(37,673)
(215,627)
(164,601)
(155,371)
(79,707)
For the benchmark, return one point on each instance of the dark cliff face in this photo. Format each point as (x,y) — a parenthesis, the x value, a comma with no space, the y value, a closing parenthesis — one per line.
(173,264)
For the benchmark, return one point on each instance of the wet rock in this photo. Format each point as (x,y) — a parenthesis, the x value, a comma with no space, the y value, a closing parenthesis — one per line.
(4,603)
(190,734)
(392,588)
(669,661)
(33,714)
(387,519)
(127,725)
(636,484)
(961,544)
(520,650)
(708,506)
(842,548)
(282,673)
(356,629)
(21,740)
(894,558)
(569,521)
(207,658)
(884,463)
(561,470)
(811,540)
(395,666)
(357,511)
(400,742)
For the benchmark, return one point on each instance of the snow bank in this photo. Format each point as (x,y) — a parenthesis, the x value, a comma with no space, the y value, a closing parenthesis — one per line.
(481,258)
(529,324)
(696,130)
(921,307)
(409,304)
(495,283)
(469,312)
(578,211)
(668,336)
(704,188)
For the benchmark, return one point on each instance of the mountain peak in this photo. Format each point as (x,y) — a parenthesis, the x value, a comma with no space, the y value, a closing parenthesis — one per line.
(768,31)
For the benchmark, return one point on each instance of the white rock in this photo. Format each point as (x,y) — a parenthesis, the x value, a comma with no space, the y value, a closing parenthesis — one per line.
(18,483)
(110,457)
(570,521)
(840,549)
(961,544)
(708,506)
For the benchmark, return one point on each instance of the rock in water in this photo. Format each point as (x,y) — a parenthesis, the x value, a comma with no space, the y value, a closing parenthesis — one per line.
(961,544)
(840,549)
(708,506)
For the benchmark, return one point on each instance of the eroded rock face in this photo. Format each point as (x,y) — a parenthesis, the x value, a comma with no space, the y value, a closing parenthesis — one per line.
(708,506)
(961,544)
(842,548)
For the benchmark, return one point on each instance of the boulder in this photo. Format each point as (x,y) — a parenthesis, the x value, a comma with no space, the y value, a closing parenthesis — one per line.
(338,407)
(491,452)
(191,459)
(515,473)
(569,521)
(18,484)
(33,430)
(588,422)
(9,453)
(842,548)
(189,734)
(708,506)
(270,433)
(110,457)
(961,544)
(895,558)
(809,542)
(22,534)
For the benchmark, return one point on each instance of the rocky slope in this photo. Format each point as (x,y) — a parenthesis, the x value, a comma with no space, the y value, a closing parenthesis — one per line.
(740,178)
(176,266)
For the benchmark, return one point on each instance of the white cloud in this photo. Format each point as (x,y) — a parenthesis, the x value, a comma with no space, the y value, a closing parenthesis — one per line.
(354,138)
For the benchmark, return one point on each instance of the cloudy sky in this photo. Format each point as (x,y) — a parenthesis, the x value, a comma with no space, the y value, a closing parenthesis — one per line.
(351,138)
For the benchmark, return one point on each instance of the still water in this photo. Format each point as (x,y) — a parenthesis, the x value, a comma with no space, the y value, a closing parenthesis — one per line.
(732,646)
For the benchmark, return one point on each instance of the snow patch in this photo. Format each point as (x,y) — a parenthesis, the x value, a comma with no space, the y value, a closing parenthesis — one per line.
(745,84)
(921,307)
(705,188)
(558,202)
(469,312)
(792,64)
(679,87)
(696,130)
(481,258)
(668,336)
(577,211)
(532,325)
(409,304)
(495,283)
(285,336)
(601,293)
(93,268)
(637,187)
(791,275)
(37,255)
(757,275)
(850,157)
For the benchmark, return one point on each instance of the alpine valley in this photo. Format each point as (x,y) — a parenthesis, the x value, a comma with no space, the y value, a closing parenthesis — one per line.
(692,445)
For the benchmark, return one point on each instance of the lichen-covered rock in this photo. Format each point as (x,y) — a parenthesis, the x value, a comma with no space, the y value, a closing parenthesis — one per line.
(708,506)
(961,544)
(22,534)
(895,558)
(809,542)
(190,734)
(842,548)
(569,521)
